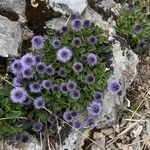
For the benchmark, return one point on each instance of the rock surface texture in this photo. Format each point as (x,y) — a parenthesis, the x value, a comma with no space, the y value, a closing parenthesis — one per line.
(124,68)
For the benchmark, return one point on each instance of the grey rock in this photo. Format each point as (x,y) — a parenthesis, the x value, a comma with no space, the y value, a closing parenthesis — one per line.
(10,37)
(68,6)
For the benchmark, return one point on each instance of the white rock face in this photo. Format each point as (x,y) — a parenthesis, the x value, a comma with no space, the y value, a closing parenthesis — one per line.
(10,37)
(68,6)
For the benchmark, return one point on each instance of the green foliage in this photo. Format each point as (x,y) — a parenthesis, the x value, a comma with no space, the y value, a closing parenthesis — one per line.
(125,22)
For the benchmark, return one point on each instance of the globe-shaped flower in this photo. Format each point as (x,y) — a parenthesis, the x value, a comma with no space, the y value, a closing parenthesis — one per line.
(71,85)
(25,138)
(35,87)
(89,79)
(64,55)
(28,60)
(37,60)
(97,96)
(137,28)
(114,86)
(18,95)
(16,67)
(76,25)
(67,116)
(63,88)
(94,108)
(77,124)
(142,44)
(39,103)
(75,94)
(64,29)
(90,121)
(55,88)
(52,118)
(17,81)
(76,42)
(73,113)
(49,70)
(87,23)
(77,67)
(62,72)
(37,127)
(40,68)
(92,59)
(47,84)
(56,44)
(92,40)
(37,42)
(27,73)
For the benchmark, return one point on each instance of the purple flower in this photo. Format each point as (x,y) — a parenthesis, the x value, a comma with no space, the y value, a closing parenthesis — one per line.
(77,67)
(18,95)
(76,42)
(113,86)
(137,28)
(26,102)
(64,54)
(97,96)
(75,94)
(94,108)
(56,44)
(76,25)
(92,40)
(62,72)
(18,137)
(142,44)
(83,58)
(27,73)
(16,67)
(35,87)
(47,84)
(40,68)
(17,81)
(67,116)
(73,113)
(39,103)
(64,29)
(63,88)
(87,23)
(58,33)
(37,42)
(55,88)
(71,85)
(25,138)
(28,60)
(92,59)
(89,79)
(75,16)
(77,124)
(37,127)
(89,122)
(37,60)
(50,70)
(52,118)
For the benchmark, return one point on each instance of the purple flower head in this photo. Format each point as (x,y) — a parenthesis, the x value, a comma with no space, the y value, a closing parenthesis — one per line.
(71,85)
(92,40)
(137,28)
(76,25)
(47,84)
(73,113)
(17,81)
(58,33)
(50,70)
(25,138)
(52,118)
(35,87)
(64,29)
(28,60)
(113,86)
(37,60)
(67,116)
(97,96)
(75,16)
(94,108)
(37,42)
(37,127)
(27,73)
(89,79)
(55,88)
(77,67)
(56,44)
(63,88)
(16,67)
(39,103)
(92,59)
(89,122)
(83,58)
(87,23)
(40,68)
(142,44)
(18,95)
(62,72)
(64,54)
(26,102)
(75,94)
(77,124)
(18,137)
(76,42)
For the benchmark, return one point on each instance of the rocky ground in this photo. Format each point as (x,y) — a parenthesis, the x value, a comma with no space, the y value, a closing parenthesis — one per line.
(124,123)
